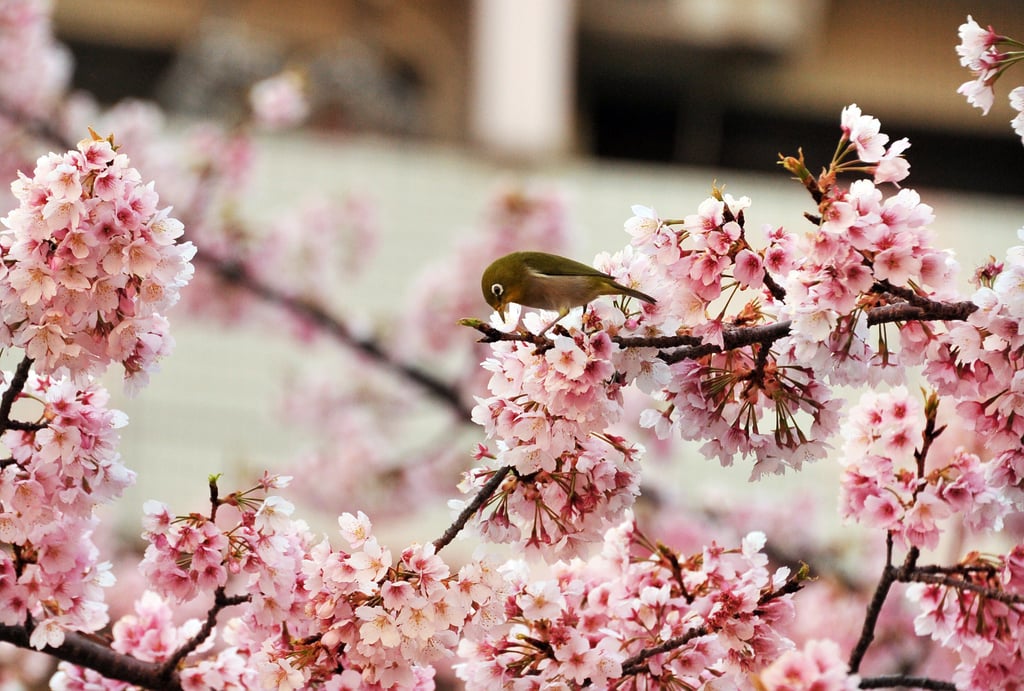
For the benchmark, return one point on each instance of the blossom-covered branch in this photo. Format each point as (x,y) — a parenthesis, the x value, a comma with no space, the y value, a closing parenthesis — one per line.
(752,334)
(683,347)
(86,651)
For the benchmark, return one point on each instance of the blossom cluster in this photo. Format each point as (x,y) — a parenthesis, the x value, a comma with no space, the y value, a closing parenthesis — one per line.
(89,262)
(688,264)
(50,567)
(982,51)
(386,620)
(595,622)
(312,614)
(150,634)
(982,621)
(887,484)
(727,399)
(817,666)
(549,414)
(976,363)
(865,246)
(188,558)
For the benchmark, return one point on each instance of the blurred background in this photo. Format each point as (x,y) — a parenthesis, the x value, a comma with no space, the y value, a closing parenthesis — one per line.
(720,83)
(427,108)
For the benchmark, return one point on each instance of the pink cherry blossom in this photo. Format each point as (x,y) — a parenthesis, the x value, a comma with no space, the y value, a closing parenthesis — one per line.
(581,628)
(864,133)
(816,667)
(279,101)
(87,276)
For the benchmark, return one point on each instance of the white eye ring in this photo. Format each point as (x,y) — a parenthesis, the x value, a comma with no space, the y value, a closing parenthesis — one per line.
(497,289)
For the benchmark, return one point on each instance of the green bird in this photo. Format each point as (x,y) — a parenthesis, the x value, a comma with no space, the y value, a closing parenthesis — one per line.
(549,282)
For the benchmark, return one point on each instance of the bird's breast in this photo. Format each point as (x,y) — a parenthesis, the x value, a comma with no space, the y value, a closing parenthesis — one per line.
(557,292)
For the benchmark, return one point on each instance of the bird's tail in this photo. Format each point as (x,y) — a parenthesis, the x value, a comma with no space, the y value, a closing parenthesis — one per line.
(636,294)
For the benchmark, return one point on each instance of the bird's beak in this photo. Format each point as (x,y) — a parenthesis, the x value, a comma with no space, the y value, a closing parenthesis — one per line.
(501,310)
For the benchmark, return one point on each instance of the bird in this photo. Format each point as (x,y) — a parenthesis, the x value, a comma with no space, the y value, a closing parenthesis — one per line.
(549,282)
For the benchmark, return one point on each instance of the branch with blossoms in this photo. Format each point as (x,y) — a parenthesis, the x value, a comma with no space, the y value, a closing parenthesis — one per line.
(752,332)
(247,273)
(89,262)
(985,54)
(747,382)
(684,346)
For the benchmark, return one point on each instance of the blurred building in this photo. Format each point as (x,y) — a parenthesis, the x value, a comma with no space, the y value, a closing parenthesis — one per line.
(727,83)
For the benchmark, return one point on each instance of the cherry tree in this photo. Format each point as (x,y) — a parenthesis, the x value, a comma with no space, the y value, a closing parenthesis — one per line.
(742,356)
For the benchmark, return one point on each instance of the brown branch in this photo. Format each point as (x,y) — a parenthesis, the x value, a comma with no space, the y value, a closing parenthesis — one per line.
(25,426)
(236,274)
(901,681)
(481,498)
(635,664)
(918,576)
(906,312)
(220,602)
(867,633)
(86,652)
(906,294)
(686,347)
(13,391)
(777,291)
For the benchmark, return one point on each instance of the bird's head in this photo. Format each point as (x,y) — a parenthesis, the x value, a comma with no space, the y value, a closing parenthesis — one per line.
(500,283)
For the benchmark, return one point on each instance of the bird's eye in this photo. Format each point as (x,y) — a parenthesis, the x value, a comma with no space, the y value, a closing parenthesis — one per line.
(497,289)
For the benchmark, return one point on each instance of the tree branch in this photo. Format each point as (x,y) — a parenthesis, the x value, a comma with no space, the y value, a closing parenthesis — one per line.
(687,347)
(235,274)
(14,390)
(220,602)
(635,664)
(86,652)
(481,498)
(867,633)
(898,680)
(915,575)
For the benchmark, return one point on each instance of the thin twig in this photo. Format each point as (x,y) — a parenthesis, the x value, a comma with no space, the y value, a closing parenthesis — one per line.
(867,633)
(481,498)
(916,576)
(635,664)
(898,680)
(220,602)
(14,390)
(235,274)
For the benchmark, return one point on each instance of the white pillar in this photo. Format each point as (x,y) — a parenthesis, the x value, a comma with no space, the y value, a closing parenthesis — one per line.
(522,92)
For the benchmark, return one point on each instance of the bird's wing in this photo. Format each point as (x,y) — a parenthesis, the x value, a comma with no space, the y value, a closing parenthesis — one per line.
(550,265)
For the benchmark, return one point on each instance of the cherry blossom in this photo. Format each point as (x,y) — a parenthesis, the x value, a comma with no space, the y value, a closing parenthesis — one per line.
(90,262)
(586,624)
(816,667)
(279,101)
(754,328)
(983,52)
